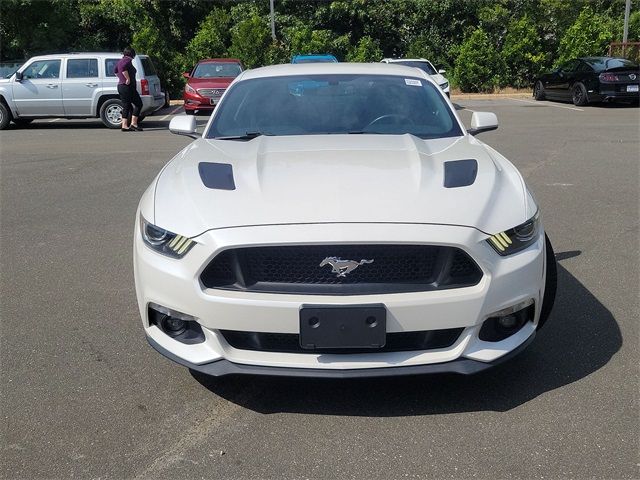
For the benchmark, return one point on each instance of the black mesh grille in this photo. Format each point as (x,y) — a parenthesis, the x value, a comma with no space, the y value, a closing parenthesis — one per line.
(290,342)
(296,269)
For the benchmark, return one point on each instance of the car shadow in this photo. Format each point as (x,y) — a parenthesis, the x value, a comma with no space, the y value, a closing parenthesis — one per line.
(580,337)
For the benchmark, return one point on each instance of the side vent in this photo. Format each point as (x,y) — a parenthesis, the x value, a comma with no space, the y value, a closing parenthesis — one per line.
(460,173)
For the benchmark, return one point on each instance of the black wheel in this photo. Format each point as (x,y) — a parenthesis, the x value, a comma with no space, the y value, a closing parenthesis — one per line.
(22,122)
(538,91)
(5,116)
(579,95)
(550,285)
(111,113)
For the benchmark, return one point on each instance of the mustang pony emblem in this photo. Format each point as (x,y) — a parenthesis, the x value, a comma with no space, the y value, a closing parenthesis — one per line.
(342,267)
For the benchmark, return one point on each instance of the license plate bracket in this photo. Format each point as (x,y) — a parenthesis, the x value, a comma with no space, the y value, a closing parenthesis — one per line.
(339,326)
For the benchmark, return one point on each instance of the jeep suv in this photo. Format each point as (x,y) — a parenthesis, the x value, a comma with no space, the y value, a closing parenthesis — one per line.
(75,85)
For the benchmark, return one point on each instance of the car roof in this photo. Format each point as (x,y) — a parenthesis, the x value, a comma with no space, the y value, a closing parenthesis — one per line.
(76,54)
(394,60)
(287,69)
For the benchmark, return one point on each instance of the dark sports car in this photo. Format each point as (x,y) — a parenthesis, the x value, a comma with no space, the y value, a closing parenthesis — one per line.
(590,79)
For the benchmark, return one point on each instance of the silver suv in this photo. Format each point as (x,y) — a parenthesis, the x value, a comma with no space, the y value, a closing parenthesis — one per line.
(75,85)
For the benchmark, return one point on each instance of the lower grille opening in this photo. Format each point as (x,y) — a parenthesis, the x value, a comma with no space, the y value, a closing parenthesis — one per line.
(290,342)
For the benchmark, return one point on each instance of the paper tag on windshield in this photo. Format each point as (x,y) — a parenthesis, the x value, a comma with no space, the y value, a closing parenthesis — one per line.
(413,82)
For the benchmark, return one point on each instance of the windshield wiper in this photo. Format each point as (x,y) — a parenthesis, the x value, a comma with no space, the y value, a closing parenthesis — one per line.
(246,136)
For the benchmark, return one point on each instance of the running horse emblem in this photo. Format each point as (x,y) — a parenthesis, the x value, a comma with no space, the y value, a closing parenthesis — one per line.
(342,267)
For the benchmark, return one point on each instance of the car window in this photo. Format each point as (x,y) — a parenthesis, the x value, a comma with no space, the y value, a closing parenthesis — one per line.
(212,70)
(424,66)
(570,66)
(109,67)
(583,67)
(604,63)
(335,104)
(148,66)
(82,67)
(43,69)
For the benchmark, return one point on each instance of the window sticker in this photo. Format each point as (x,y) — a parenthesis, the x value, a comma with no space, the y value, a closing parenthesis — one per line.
(413,82)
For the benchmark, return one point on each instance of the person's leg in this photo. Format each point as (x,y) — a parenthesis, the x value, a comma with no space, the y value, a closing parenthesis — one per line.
(125,98)
(137,105)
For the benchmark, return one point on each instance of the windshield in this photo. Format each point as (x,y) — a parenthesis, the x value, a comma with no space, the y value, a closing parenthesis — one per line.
(216,70)
(600,64)
(334,104)
(424,66)
(318,59)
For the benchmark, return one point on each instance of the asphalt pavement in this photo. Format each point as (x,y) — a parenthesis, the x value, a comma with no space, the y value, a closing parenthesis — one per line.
(84,396)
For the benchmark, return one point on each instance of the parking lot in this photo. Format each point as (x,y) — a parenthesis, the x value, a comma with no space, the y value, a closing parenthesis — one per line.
(83,394)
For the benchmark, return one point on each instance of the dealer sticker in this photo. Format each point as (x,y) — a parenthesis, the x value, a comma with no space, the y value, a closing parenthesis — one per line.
(413,82)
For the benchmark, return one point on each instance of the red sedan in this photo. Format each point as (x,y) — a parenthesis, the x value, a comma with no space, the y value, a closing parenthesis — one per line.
(207,82)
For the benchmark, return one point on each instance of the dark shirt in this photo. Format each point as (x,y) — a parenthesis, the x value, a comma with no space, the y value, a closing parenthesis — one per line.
(125,65)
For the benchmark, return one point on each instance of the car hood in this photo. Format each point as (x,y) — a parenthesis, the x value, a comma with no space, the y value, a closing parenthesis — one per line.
(339,179)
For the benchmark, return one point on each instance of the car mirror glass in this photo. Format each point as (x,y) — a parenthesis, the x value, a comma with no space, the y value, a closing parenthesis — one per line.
(19,76)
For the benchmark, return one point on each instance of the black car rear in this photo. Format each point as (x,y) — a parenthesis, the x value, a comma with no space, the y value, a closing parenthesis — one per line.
(591,79)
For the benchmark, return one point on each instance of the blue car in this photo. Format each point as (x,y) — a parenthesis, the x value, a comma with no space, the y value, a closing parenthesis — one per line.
(314,58)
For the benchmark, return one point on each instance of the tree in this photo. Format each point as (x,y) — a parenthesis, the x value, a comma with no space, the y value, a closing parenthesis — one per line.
(366,50)
(479,66)
(590,34)
(211,39)
(522,51)
(250,37)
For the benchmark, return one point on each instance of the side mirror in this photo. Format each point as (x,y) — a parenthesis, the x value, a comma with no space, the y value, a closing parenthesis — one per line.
(483,122)
(441,71)
(186,75)
(19,76)
(184,125)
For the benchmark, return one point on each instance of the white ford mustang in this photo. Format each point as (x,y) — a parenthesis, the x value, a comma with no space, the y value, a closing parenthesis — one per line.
(338,220)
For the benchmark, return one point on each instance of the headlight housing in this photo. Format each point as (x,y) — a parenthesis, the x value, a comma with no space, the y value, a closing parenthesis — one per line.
(163,241)
(516,239)
(189,89)
(444,85)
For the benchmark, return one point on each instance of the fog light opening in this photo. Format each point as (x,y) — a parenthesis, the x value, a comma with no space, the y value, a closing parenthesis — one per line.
(507,322)
(177,325)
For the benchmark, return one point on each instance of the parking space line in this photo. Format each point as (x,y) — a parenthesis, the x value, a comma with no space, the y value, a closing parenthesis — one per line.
(546,104)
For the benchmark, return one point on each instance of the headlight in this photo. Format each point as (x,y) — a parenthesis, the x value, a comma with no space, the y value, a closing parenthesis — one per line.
(189,89)
(444,85)
(163,241)
(516,239)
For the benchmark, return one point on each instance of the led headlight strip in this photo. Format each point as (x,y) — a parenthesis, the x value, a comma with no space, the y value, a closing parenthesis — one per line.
(517,238)
(180,244)
(163,241)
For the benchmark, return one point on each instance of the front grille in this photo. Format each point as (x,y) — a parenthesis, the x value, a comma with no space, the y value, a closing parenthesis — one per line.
(297,270)
(290,342)
(211,92)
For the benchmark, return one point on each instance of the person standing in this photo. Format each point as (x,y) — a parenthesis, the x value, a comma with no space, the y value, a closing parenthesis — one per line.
(131,101)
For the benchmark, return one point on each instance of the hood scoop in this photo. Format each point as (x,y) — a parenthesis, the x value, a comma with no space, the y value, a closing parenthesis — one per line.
(218,176)
(460,173)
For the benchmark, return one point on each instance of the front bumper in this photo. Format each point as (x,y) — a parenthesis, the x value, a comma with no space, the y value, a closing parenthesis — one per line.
(175,284)
(196,102)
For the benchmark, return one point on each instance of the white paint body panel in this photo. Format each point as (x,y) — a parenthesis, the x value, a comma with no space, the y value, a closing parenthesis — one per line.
(337,189)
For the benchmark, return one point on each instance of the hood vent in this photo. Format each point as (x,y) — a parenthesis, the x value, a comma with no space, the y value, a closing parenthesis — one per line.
(460,173)
(218,176)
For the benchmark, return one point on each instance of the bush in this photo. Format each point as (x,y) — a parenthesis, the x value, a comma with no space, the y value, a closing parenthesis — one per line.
(590,34)
(366,50)
(211,38)
(479,66)
(522,52)
(251,40)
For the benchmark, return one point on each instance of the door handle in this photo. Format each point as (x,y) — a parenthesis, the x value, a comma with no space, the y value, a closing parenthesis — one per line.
(52,85)
(92,85)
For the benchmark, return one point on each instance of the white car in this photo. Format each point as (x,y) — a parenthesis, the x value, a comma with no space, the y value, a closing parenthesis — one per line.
(312,231)
(426,66)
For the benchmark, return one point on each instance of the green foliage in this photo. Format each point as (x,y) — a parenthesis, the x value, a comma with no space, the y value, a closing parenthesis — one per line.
(366,50)
(479,67)
(250,38)
(211,39)
(522,52)
(590,34)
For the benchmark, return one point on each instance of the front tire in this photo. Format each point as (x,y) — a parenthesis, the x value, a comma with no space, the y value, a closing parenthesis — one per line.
(538,91)
(579,95)
(5,116)
(111,113)
(551,283)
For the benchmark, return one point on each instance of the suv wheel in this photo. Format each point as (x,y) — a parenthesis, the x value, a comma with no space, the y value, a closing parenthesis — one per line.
(111,113)
(5,116)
